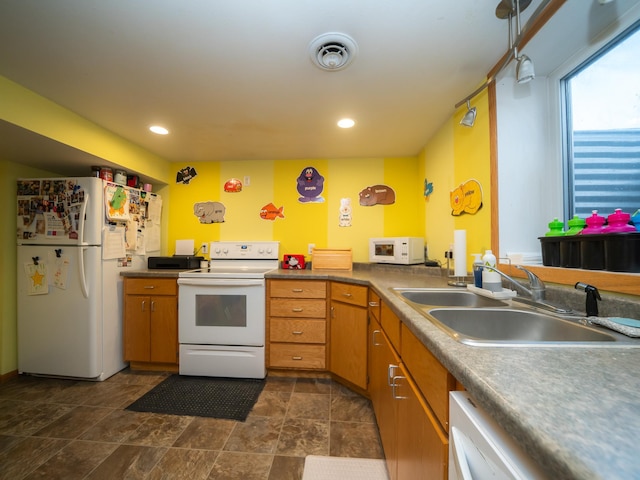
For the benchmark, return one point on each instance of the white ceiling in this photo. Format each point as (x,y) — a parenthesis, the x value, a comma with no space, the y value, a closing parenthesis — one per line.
(232,79)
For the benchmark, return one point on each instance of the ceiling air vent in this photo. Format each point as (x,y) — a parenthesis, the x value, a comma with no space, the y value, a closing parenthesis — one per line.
(332,51)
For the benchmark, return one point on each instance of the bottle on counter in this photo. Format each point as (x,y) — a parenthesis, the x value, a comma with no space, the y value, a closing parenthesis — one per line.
(595,224)
(618,222)
(477,269)
(490,279)
(556,228)
(576,225)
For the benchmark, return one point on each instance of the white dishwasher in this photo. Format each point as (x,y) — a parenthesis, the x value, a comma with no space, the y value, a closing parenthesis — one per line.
(480,449)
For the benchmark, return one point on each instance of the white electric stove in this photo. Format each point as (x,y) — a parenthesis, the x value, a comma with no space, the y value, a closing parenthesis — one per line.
(221,313)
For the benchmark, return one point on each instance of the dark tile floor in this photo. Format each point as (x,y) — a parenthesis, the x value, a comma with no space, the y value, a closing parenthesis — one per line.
(65,429)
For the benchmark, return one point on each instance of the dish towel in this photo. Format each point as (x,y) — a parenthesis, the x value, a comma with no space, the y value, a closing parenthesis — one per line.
(626,326)
(318,467)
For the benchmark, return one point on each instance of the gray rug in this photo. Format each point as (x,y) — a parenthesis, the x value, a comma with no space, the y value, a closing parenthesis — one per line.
(229,398)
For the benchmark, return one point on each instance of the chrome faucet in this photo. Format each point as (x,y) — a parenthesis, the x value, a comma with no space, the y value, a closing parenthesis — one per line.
(536,290)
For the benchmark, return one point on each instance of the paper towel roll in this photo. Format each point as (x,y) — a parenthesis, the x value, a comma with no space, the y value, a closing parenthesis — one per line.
(460,253)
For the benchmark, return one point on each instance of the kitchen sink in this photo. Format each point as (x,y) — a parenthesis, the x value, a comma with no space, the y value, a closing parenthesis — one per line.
(512,327)
(446,297)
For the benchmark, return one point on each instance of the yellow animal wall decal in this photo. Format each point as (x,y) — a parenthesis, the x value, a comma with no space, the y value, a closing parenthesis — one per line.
(467,198)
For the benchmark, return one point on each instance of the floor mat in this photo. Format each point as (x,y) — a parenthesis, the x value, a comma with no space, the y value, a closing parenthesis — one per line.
(230,398)
(332,468)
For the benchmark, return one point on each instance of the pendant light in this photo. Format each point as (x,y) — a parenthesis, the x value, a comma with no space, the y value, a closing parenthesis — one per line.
(524,65)
(470,117)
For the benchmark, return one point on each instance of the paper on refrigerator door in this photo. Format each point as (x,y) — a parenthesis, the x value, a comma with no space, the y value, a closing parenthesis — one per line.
(58,270)
(36,276)
(113,242)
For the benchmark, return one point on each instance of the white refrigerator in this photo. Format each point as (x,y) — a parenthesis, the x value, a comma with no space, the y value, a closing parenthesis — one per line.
(75,236)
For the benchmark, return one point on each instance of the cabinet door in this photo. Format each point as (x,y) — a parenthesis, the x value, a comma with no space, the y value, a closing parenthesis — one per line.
(383,361)
(348,343)
(163,330)
(137,317)
(422,444)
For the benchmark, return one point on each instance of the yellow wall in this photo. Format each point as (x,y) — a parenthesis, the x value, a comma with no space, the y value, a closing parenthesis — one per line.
(303,223)
(26,109)
(452,156)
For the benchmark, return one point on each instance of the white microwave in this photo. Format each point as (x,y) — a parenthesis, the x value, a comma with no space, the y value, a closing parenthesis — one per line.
(399,250)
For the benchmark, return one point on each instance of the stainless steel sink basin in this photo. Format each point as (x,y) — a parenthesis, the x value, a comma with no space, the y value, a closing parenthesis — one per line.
(446,297)
(510,327)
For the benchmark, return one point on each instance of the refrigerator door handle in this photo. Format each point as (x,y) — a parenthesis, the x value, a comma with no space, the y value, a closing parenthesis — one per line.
(82,220)
(83,277)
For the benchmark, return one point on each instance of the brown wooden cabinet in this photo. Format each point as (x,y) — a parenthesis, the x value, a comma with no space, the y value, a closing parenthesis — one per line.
(422,448)
(382,361)
(348,333)
(412,431)
(297,324)
(151,322)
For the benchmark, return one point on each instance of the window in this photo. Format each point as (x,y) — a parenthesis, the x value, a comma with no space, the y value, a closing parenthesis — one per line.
(602,101)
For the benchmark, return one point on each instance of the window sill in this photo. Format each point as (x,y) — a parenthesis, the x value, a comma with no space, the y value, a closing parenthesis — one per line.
(627,283)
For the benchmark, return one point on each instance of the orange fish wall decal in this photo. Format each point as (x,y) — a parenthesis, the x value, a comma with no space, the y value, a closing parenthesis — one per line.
(271,212)
(467,198)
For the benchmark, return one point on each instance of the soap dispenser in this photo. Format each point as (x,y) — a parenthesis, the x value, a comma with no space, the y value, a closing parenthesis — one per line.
(490,278)
(477,269)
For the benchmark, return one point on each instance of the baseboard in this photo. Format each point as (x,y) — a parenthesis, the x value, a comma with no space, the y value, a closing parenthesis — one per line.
(5,377)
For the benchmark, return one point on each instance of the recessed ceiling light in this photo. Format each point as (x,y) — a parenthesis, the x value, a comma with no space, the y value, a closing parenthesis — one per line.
(346,123)
(159,130)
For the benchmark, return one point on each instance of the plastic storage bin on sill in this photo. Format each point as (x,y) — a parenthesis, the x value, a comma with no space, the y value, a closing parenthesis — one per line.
(615,252)
(592,252)
(551,251)
(570,252)
(622,252)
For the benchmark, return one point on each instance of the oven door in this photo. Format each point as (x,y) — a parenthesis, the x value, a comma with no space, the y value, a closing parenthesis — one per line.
(221,311)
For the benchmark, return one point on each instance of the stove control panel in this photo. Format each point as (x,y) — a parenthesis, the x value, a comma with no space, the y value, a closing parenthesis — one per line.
(244,250)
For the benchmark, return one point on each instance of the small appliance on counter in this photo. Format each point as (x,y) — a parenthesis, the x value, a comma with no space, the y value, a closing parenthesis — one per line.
(176,262)
(398,250)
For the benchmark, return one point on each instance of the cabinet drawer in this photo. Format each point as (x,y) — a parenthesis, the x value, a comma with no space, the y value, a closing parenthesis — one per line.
(347,293)
(297,331)
(292,355)
(433,379)
(298,289)
(150,286)
(290,307)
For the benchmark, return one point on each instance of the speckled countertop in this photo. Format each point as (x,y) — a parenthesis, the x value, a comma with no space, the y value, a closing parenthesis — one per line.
(575,410)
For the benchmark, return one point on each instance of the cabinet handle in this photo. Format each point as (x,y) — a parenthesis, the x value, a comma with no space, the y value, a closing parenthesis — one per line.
(393,388)
(391,371)
(373,304)
(150,286)
(373,338)
(142,305)
(296,358)
(346,295)
(297,290)
(296,332)
(153,306)
(297,310)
